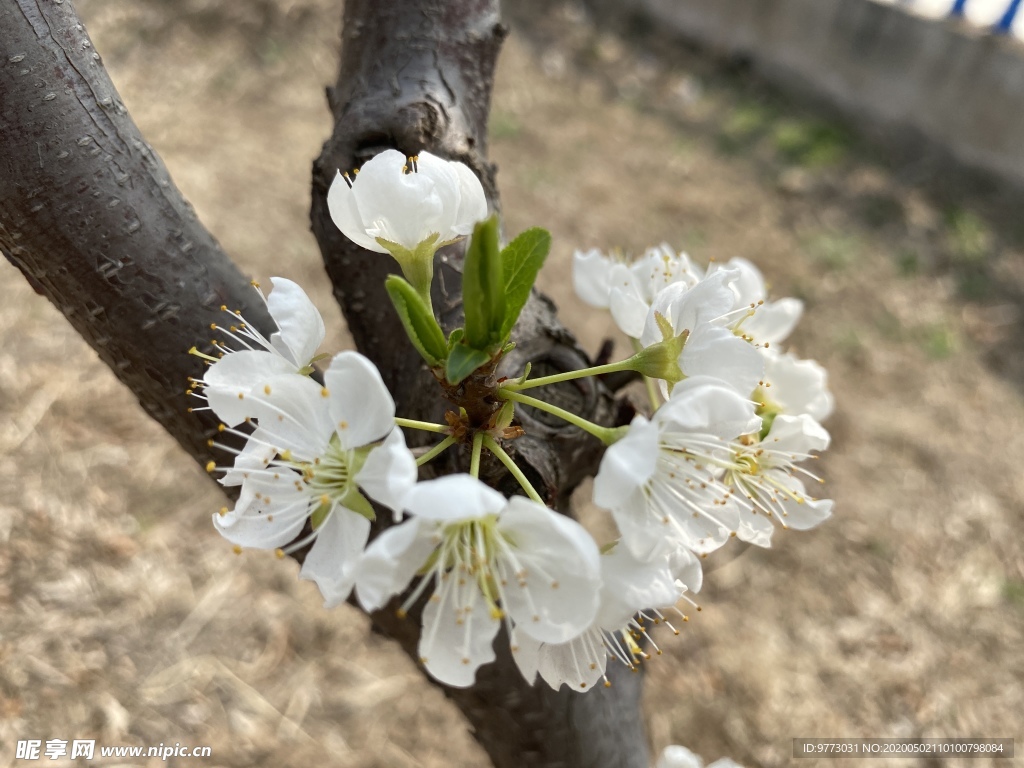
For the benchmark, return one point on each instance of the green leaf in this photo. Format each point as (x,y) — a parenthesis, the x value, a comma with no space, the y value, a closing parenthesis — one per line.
(462,361)
(419,323)
(521,261)
(455,337)
(483,289)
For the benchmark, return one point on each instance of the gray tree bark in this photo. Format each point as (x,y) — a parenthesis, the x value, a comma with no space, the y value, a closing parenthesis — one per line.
(90,216)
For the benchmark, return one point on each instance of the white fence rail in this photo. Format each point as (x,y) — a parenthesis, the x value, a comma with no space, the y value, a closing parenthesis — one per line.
(1000,17)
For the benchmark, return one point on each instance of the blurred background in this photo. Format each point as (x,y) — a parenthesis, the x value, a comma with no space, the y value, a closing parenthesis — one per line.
(125,618)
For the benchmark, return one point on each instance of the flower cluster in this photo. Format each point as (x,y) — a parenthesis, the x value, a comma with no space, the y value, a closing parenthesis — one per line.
(720,457)
(323,451)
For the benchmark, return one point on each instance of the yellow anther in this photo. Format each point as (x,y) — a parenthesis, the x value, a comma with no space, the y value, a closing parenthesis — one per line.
(279,553)
(324,392)
(211,466)
(237,549)
(266,389)
(222,511)
(221,427)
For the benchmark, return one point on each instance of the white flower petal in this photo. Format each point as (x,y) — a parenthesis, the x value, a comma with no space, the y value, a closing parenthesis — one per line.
(725,762)
(256,455)
(526,654)
(706,405)
(458,633)
(591,275)
(404,208)
(675,756)
(628,305)
(661,266)
(796,435)
(237,374)
(331,563)
(389,472)
(810,514)
(627,465)
(717,352)
(552,585)
(686,569)
(797,386)
(260,532)
(748,283)
(454,497)
(647,535)
(361,407)
(300,327)
(392,560)
(447,186)
(629,585)
(701,530)
(578,663)
(472,201)
(688,308)
(755,528)
(773,321)
(341,202)
(800,515)
(269,513)
(293,415)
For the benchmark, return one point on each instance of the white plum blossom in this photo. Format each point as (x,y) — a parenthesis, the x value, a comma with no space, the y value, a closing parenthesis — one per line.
(290,349)
(629,289)
(485,559)
(406,201)
(764,322)
(763,473)
(662,482)
(676,756)
(710,348)
(633,595)
(314,453)
(794,386)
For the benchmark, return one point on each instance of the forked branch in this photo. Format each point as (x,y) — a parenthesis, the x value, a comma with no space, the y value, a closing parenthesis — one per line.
(90,216)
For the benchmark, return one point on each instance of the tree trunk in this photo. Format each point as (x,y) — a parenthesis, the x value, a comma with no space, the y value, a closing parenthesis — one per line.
(90,216)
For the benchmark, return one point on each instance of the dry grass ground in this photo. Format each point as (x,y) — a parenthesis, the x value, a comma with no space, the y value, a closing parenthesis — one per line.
(125,618)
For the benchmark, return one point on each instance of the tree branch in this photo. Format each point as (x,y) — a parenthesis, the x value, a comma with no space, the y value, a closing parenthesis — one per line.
(90,216)
(415,75)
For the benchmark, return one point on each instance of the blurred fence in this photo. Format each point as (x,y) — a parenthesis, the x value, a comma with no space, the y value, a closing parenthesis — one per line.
(999,17)
(890,69)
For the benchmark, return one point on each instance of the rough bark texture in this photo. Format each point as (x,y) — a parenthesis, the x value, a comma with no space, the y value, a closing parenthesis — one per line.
(90,216)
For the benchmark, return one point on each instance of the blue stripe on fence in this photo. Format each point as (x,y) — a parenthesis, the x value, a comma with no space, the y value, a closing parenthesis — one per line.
(1000,20)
